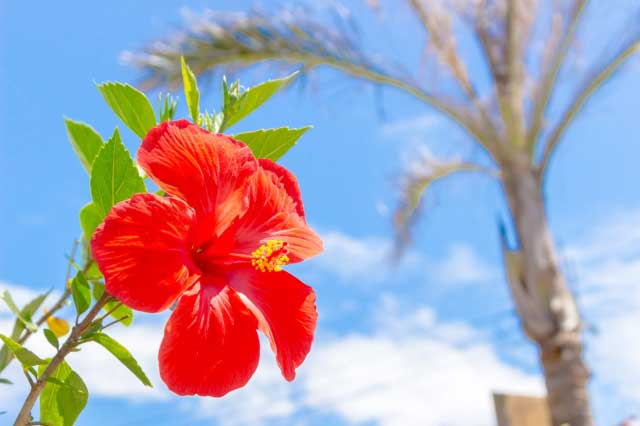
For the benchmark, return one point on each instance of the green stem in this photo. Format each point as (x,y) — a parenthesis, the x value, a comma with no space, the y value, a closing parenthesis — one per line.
(24,416)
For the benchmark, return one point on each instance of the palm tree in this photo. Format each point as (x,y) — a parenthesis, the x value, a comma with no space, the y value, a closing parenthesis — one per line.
(512,123)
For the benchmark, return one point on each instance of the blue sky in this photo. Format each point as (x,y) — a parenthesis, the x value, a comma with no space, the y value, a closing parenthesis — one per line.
(408,344)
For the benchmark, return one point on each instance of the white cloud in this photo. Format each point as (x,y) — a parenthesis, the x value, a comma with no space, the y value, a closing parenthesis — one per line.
(462,265)
(267,396)
(21,295)
(370,260)
(416,370)
(103,374)
(618,236)
(106,376)
(384,377)
(411,126)
(607,264)
(365,260)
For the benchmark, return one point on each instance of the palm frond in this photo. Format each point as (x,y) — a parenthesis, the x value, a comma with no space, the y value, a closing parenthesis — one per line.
(555,55)
(594,80)
(223,40)
(420,176)
(214,40)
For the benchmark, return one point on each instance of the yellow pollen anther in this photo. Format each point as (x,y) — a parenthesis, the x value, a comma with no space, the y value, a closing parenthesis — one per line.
(270,256)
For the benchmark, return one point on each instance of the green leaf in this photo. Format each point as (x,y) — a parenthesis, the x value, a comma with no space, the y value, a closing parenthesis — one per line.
(121,311)
(93,272)
(131,105)
(5,381)
(85,140)
(81,293)
(55,381)
(191,92)
(271,143)
(24,355)
(114,176)
(166,110)
(237,104)
(61,404)
(90,218)
(51,338)
(123,355)
(18,327)
(13,308)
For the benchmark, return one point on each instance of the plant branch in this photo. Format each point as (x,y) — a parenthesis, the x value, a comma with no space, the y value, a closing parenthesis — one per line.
(24,416)
(110,311)
(62,300)
(580,100)
(115,321)
(29,378)
(448,54)
(460,116)
(240,41)
(550,76)
(417,182)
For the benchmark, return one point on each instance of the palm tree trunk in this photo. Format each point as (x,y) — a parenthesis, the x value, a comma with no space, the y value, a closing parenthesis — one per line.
(547,309)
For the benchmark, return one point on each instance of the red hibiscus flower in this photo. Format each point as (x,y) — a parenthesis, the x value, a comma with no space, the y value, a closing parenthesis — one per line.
(216,244)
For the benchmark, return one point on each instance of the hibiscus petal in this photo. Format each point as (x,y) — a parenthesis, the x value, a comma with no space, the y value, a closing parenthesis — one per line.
(288,180)
(142,248)
(285,309)
(209,171)
(210,345)
(274,213)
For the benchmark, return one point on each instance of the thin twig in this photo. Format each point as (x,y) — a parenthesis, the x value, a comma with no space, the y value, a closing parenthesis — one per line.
(28,376)
(60,303)
(115,322)
(24,416)
(110,311)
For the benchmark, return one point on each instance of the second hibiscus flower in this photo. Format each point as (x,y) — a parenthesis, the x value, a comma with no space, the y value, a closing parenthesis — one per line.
(216,245)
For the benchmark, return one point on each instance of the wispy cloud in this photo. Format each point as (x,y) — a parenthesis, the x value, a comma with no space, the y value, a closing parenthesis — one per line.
(416,370)
(419,124)
(462,265)
(607,267)
(267,397)
(369,260)
(388,375)
(21,295)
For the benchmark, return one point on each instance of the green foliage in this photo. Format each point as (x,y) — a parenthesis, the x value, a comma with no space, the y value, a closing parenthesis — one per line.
(85,140)
(81,293)
(271,143)
(63,398)
(122,354)
(130,105)
(24,355)
(216,122)
(238,104)
(5,382)
(114,176)
(51,338)
(93,272)
(18,327)
(117,309)
(166,108)
(90,218)
(14,309)
(191,92)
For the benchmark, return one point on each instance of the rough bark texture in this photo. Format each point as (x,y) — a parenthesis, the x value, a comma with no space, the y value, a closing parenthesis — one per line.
(546,307)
